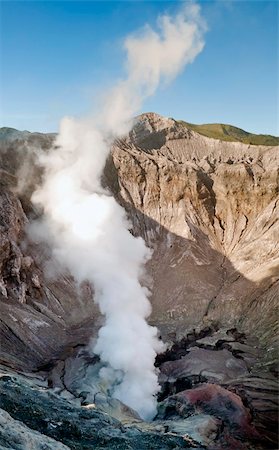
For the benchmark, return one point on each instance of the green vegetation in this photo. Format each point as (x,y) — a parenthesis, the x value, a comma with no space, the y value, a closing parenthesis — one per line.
(230,133)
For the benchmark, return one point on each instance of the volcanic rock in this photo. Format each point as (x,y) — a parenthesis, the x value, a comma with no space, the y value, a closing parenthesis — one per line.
(209,211)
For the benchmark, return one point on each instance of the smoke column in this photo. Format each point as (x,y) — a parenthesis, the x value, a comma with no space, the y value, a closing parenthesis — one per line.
(88,230)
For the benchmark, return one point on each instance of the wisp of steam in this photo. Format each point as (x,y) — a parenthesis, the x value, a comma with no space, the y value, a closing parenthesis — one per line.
(88,229)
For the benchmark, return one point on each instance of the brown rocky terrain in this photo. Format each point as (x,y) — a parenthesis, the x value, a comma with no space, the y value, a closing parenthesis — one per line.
(209,210)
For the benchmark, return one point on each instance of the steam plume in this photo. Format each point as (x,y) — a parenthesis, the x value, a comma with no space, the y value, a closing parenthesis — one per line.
(89,231)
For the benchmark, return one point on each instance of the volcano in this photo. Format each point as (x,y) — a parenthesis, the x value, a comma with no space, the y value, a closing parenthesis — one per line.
(207,207)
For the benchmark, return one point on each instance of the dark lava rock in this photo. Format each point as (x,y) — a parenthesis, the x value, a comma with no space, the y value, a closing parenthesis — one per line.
(76,427)
(215,365)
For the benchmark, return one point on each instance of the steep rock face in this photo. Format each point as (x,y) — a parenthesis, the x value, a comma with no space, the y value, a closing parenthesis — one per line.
(210,211)
(40,316)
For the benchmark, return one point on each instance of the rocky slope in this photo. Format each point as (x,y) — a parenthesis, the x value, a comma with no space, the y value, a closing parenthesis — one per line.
(209,210)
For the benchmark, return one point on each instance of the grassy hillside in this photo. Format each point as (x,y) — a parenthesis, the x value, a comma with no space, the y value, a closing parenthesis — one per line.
(230,133)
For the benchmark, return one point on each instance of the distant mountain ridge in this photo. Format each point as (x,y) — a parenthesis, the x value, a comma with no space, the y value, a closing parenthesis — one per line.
(12,134)
(231,133)
(219,131)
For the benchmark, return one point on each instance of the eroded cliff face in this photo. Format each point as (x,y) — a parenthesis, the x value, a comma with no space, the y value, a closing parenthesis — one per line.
(209,211)
(41,316)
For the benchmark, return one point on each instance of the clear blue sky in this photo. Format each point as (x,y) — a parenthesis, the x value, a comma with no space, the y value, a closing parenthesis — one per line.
(57,55)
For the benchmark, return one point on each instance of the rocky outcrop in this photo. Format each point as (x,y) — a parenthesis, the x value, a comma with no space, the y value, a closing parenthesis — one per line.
(51,422)
(204,362)
(209,211)
(14,434)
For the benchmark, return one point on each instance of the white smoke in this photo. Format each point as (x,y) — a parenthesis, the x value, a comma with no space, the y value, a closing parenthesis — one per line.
(87,228)
(152,57)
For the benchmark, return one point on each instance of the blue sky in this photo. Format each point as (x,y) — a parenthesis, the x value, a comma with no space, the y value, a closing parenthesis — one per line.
(56,56)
